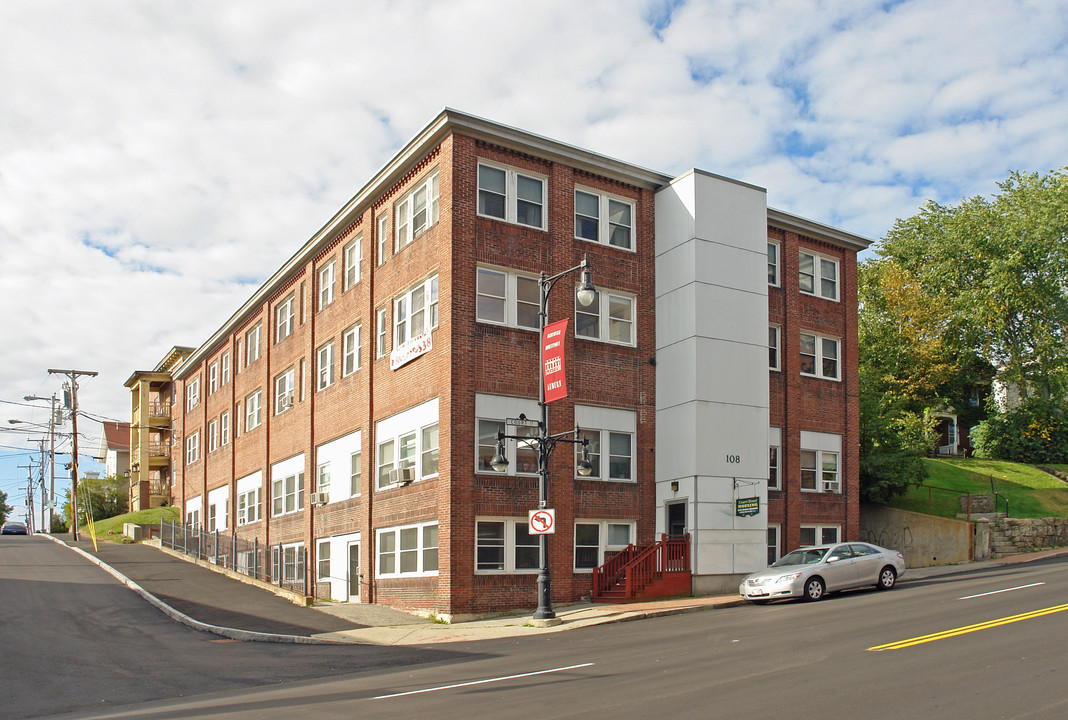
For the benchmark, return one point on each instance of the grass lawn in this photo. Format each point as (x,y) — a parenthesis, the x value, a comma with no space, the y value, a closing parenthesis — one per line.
(1031,493)
(111,528)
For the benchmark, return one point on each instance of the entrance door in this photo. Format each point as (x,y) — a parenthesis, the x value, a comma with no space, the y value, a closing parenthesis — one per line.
(354,572)
(676,519)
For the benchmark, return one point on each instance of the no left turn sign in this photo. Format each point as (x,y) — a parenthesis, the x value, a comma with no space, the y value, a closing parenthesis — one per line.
(542,522)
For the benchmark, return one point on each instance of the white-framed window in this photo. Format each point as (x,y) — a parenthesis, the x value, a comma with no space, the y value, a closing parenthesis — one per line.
(416,212)
(192,518)
(609,318)
(287,564)
(283,315)
(213,435)
(252,345)
(490,414)
(213,378)
(505,545)
(407,440)
(506,298)
(325,366)
(350,351)
(774,543)
(253,410)
(415,312)
(339,456)
(408,550)
(326,285)
(383,237)
(611,435)
(514,196)
(283,391)
(322,478)
(774,347)
(604,219)
(225,367)
(820,462)
(773,263)
(355,474)
(820,356)
(224,428)
(813,534)
(381,333)
(192,448)
(192,394)
(287,494)
(594,537)
(353,255)
(775,458)
(322,560)
(818,276)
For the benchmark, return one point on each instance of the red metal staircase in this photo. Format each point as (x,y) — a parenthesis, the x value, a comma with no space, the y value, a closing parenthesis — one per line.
(644,573)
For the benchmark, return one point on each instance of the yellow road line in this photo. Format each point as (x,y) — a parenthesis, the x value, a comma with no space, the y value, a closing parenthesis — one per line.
(969,628)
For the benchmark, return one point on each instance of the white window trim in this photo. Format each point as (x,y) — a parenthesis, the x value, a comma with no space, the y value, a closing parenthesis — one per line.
(284,315)
(279,491)
(497,409)
(252,344)
(192,448)
(604,225)
(278,562)
(777,264)
(224,428)
(192,394)
(819,356)
(253,410)
(326,285)
(775,443)
(833,487)
(381,333)
(213,435)
(602,539)
(606,421)
(510,299)
(509,547)
(324,366)
(604,298)
(283,391)
(776,550)
(393,429)
(382,223)
(819,528)
(350,350)
(213,378)
(817,281)
(403,311)
(775,344)
(225,367)
(353,257)
(511,194)
(396,552)
(404,230)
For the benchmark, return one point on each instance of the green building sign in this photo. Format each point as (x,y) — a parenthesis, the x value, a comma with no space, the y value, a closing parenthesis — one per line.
(746,506)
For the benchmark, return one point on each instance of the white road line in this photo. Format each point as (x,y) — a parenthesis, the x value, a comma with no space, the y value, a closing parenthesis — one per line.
(482,682)
(995,592)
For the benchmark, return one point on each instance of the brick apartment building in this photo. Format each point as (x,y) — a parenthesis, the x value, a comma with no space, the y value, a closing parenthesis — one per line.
(348,411)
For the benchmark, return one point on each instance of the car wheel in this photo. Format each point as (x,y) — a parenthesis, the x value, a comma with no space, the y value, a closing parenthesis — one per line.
(887,578)
(814,589)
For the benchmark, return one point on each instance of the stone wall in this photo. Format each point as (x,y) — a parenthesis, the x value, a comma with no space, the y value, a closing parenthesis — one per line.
(1034,533)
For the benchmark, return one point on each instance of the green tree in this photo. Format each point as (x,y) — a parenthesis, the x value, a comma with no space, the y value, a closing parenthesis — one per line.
(893,442)
(108,497)
(5,509)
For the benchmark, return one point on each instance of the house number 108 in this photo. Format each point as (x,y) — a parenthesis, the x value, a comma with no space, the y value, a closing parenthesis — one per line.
(734,459)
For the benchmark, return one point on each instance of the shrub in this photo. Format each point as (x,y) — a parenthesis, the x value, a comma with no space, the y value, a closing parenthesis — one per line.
(1034,433)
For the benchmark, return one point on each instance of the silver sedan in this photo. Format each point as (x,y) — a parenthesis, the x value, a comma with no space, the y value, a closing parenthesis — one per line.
(812,572)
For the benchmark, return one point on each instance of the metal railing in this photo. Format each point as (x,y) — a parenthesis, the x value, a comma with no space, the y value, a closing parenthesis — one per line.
(281,565)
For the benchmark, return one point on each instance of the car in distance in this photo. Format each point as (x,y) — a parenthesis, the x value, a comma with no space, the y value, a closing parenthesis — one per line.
(14,527)
(812,572)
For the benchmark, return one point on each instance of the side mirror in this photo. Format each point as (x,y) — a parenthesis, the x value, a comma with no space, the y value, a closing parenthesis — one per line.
(832,558)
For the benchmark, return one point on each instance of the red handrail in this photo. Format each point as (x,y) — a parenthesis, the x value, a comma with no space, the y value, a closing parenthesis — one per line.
(634,568)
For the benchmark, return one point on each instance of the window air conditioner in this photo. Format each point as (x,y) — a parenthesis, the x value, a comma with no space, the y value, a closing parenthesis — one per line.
(286,402)
(319,498)
(831,486)
(401,476)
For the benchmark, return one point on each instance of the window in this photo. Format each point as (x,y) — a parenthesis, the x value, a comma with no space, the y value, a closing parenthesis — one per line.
(212,514)
(505,545)
(283,392)
(416,212)
(415,312)
(353,254)
(252,410)
(381,333)
(818,276)
(252,345)
(385,463)
(248,506)
(773,467)
(213,436)
(522,456)
(224,428)
(819,471)
(322,555)
(408,550)
(819,356)
(213,378)
(284,319)
(773,263)
(819,534)
(594,538)
(383,237)
(773,348)
(604,219)
(287,494)
(407,440)
(289,559)
(326,366)
(350,351)
(192,394)
(354,474)
(225,362)
(609,318)
(192,448)
(611,454)
(510,195)
(428,446)
(322,480)
(326,285)
(506,298)
(773,543)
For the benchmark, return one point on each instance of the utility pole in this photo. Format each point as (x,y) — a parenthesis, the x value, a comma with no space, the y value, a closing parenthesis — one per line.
(46,524)
(29,497)
(73,375)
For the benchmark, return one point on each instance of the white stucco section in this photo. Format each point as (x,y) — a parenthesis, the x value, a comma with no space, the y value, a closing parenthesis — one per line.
(219,498)
(712,366)
(337,455)
(343,586)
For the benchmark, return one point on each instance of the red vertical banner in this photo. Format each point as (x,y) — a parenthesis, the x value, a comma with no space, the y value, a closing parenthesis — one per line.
(552,354)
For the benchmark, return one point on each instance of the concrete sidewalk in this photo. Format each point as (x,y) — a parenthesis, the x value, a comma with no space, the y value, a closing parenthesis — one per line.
(208,600)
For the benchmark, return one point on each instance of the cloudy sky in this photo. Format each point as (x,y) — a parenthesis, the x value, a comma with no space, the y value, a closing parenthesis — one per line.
(159,159)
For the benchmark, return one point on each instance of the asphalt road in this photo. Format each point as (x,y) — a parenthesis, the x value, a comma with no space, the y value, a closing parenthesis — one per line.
(1000,655)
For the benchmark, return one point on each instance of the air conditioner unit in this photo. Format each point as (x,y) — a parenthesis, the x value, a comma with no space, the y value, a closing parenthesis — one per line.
(401,476)
(286,402)
(831,486)
(319,498)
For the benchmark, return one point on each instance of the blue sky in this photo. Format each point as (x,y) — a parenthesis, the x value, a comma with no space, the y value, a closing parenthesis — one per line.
(159,160)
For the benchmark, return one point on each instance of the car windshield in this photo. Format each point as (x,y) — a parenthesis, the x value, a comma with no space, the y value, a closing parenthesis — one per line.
(808,556)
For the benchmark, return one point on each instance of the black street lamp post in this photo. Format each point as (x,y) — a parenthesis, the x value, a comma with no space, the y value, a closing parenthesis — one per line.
(546,442)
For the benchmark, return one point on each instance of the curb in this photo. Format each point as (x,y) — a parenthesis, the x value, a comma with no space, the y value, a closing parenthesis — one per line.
(232,633)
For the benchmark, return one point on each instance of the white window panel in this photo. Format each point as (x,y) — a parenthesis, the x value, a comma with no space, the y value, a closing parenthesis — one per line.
(284,319)
(326,366)
(253,409)
(326,285)
(381,333)
(818,276)
(415,312)
(820,356)
(416,212)
(603,218)
(773,263)
(353,255)
(512,195)
(609,318)
(350,349)
(192,394)
(382,233)
(813,534)
(283,391)
(408,550)
(252,345)
(820,471)
(507,298)
(593,538)
(192,448)
(505,546)
(774,347)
